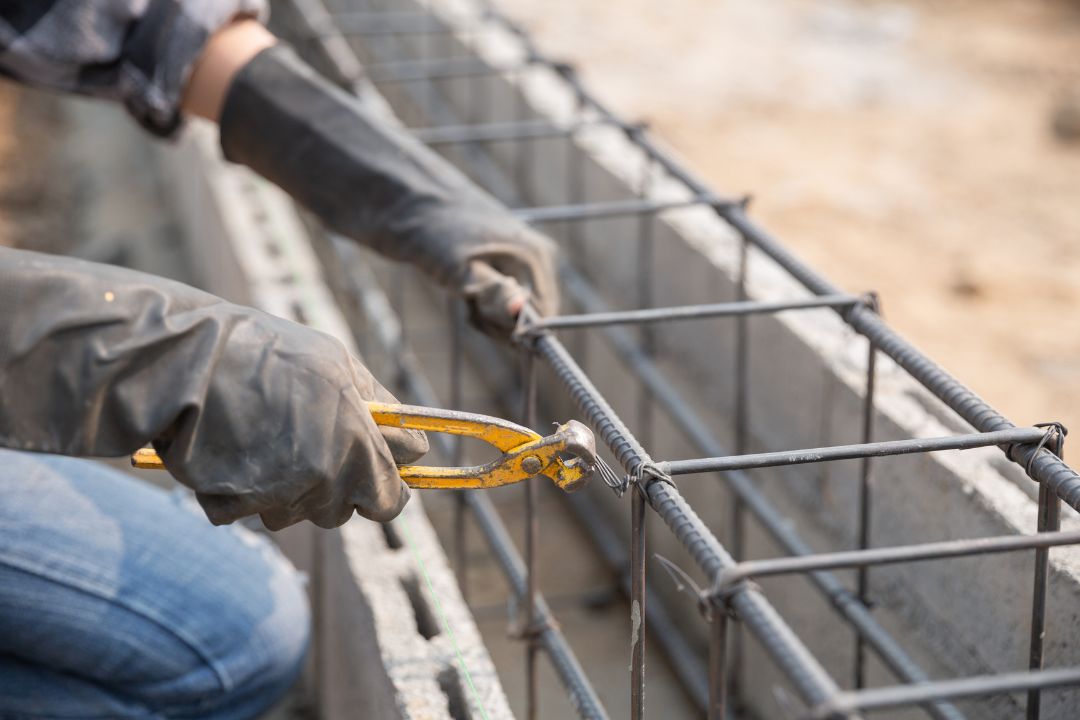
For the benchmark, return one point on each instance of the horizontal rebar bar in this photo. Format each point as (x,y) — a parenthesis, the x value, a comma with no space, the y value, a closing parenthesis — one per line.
(526,129)
(849,452)
(691,312)
(789,653)
(614,208)
(695,430)
(980,686)
(892,555)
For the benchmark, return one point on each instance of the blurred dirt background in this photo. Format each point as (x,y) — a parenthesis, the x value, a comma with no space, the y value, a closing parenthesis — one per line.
(926,150)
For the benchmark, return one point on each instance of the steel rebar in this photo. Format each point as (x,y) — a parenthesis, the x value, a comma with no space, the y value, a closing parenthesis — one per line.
(690,312)
(694,429)
(851,452)
(1049,521)
(865,508)
(793,658)
(982,685)
(892,555)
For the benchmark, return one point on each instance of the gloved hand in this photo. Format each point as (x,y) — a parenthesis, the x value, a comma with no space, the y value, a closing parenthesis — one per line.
(377,184)
(255,413)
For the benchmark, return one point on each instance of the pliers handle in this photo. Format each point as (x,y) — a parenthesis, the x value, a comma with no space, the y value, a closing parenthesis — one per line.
(525,453)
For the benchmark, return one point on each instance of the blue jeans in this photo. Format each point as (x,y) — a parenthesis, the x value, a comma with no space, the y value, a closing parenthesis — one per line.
(117,601)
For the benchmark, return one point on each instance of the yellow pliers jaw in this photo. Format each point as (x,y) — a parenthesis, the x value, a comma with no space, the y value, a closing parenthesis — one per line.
(525,453)
(542,456)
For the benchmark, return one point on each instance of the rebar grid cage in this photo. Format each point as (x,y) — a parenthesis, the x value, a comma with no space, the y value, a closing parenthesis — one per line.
(367,45)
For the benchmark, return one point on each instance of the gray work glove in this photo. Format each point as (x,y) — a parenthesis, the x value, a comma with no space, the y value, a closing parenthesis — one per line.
(377,184)
(255,413)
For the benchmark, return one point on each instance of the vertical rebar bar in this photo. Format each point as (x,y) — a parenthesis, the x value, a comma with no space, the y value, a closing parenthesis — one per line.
(865,509)
(457,327)
(637,605)
(532,538)
(717,671)
(1049,521)
(738,511)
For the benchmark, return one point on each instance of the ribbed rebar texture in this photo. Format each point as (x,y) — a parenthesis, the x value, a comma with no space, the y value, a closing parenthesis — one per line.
(696,431)
(601,416)
(786,649)
(795,660)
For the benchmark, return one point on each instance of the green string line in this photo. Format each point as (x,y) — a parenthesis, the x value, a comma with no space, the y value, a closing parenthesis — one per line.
(416,554)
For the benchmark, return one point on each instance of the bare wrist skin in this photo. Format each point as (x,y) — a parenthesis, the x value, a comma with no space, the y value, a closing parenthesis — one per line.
(227,52)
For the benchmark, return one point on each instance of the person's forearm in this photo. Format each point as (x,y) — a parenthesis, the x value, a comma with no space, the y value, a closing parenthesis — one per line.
(227,52)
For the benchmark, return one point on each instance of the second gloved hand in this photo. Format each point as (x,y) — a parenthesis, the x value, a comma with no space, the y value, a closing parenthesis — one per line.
(379,185)
(255,413)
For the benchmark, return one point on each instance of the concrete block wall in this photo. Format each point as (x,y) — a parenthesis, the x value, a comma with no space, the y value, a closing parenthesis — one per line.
(381,648)
(806,384)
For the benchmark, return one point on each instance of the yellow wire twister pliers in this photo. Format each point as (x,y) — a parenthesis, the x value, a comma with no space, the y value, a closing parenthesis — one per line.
(525,453)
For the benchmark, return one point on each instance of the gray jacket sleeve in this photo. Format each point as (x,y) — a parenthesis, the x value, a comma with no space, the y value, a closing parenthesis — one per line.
(255,413)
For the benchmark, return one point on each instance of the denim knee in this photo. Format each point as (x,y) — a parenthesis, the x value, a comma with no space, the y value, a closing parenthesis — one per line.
(115,597)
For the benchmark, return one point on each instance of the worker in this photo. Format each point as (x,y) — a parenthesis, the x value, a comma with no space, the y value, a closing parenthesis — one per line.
(116,600)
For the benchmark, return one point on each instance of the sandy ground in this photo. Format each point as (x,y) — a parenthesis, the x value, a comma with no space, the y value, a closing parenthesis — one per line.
(905,147)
